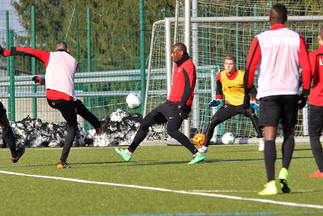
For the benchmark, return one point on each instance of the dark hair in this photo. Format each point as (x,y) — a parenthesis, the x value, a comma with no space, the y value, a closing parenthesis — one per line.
(181,46)
(281,11)
(321,32)
(60,45)
(231,57)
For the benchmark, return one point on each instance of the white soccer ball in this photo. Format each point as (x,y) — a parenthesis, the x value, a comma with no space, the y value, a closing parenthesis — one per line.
(228,138)
(134,100)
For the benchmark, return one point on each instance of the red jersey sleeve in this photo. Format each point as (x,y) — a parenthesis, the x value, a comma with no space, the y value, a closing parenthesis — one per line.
(218,77)
(305,64)
(312,59)
(39,54)
(218,86)
(252,62)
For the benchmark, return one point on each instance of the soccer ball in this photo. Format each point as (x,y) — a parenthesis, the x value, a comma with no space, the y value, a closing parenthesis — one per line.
(133,100)
(199,139)
(228,138)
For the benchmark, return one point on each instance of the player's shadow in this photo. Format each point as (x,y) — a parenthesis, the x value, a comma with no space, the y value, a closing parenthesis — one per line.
(307,149)
(123,163)
(235,160)
(28,165)
(148,162)
(71,164)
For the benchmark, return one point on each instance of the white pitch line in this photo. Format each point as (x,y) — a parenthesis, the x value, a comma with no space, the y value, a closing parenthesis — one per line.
(168,190)
(248,191)
(225,191)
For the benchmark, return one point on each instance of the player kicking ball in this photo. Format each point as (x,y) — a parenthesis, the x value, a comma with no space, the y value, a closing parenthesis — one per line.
(230,84)
(60,92)
(174,110)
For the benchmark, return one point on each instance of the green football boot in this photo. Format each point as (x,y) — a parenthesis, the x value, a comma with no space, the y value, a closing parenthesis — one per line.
(122,153)
(283,180)
(270,189)
(198,158)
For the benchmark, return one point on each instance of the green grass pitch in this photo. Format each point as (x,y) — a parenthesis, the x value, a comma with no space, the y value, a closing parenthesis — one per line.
(157,181)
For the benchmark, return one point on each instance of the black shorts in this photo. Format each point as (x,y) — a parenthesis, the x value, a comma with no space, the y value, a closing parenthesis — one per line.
(227,111)
(67,109)
(279,107)
(168,111)
(315,120)
(2,110)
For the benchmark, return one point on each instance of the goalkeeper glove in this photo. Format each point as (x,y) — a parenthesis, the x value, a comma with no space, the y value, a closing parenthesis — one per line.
(254,105)
(39,80)
(303,99)
(1,51)
(214,103)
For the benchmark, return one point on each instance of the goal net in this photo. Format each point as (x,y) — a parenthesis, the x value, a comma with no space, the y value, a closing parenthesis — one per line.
(219,29)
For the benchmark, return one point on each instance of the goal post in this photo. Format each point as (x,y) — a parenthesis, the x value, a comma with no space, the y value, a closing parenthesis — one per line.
(216,37)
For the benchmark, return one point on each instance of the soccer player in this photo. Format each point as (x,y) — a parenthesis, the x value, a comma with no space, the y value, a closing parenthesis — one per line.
(230,84)
(59,80)
(279,52)
(316,105)
(175,109)
(7,133)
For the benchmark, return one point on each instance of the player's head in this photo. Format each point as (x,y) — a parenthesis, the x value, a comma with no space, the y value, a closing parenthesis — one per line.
(61,45)
(178,51)
(278,14)
(230,64)
(320,37)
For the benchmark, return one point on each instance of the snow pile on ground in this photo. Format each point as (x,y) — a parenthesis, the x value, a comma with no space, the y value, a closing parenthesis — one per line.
(120,130)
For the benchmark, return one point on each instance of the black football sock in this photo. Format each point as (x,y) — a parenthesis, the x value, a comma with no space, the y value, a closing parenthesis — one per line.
(317,151)
(139,137)
(182,139)
(287,151)
(10,141)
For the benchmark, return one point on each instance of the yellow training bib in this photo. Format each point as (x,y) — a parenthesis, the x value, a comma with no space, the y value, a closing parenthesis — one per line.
(233,89)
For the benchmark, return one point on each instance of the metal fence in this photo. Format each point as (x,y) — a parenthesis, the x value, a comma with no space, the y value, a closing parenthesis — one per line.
(109,66)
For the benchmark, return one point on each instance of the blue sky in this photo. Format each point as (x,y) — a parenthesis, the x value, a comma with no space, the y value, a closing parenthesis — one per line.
(13,19)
